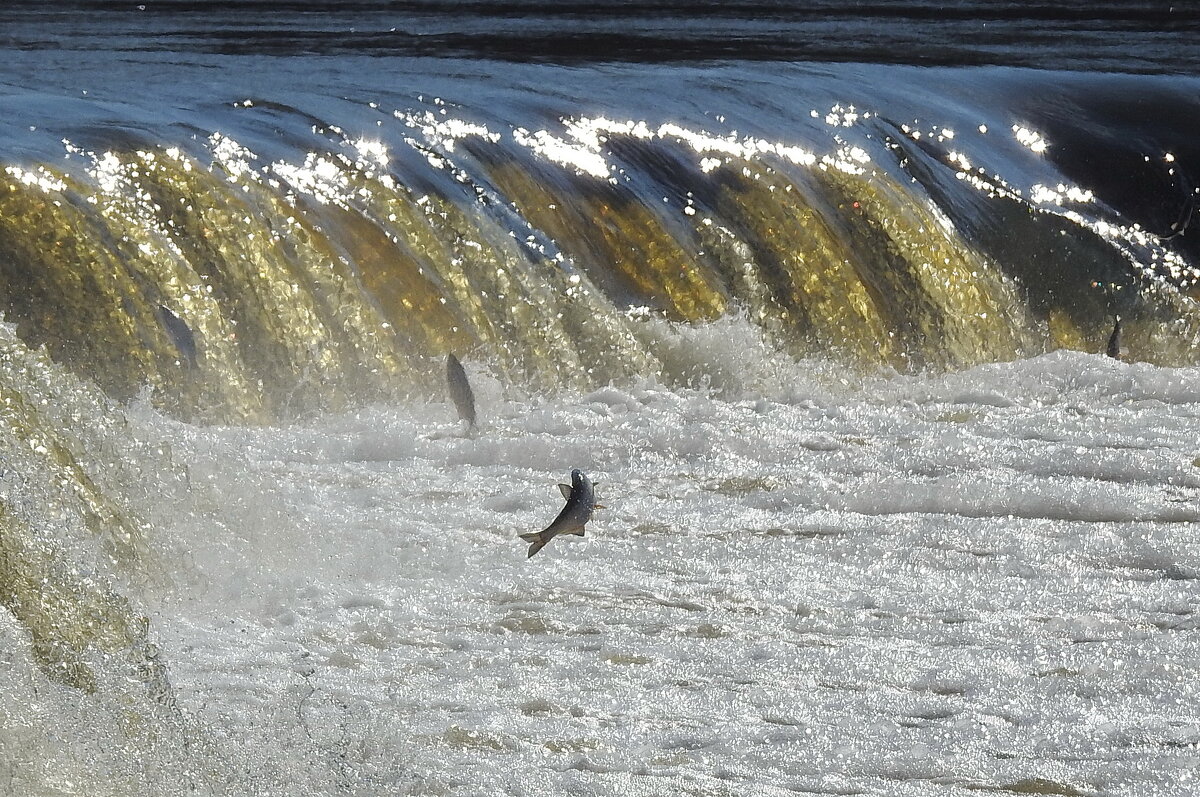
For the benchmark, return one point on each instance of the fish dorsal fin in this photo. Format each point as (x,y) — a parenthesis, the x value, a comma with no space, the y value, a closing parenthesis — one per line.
(565,489)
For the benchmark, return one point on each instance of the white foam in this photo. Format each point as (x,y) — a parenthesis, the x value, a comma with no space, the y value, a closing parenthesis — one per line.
(988,573)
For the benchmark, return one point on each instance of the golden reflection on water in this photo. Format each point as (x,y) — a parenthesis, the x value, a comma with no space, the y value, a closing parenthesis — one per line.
(309,284)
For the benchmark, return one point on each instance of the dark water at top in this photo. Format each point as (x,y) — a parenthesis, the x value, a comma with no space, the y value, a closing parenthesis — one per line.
(1124,36)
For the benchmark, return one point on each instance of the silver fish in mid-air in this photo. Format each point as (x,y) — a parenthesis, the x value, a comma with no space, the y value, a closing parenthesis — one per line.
(581,502)
(460,389)
(1114,340)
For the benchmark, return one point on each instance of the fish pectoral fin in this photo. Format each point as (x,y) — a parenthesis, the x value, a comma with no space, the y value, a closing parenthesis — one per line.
(565,489)
(599,506)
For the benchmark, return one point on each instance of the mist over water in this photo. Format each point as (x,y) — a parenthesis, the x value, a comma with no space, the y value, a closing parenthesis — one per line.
(816,296)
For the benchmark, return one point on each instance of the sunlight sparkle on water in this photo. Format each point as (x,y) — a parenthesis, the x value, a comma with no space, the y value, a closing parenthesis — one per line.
(443,131)
(319,177)
(1030,138)
(1059,195)
(39,177)
(583,147)
(373,150)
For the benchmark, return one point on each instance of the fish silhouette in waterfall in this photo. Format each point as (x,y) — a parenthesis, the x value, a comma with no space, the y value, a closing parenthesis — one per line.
(581,502)
(180,334)
(460,390)
(1114,340)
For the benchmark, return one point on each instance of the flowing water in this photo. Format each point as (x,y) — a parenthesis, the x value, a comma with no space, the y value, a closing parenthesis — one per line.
(817,295)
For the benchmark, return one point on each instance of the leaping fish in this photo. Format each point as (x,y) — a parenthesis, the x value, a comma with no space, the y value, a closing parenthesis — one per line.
(180,334)
(1114,340)
(460,390)
(581,502)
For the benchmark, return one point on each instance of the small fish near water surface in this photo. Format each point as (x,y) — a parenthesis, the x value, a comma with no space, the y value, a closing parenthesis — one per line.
(581,502)
(1114,340)
(180,334)
(460,390)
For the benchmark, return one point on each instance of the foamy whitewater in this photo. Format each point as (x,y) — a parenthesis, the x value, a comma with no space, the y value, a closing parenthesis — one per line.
(980,582)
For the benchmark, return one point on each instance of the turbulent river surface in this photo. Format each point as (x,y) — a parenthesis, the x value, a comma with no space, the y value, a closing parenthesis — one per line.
(818,294)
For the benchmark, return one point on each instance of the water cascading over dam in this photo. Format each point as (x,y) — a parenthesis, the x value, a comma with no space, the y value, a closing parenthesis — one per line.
(341,269)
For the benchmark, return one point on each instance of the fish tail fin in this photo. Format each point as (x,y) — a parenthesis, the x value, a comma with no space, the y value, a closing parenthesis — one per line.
(536,542)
